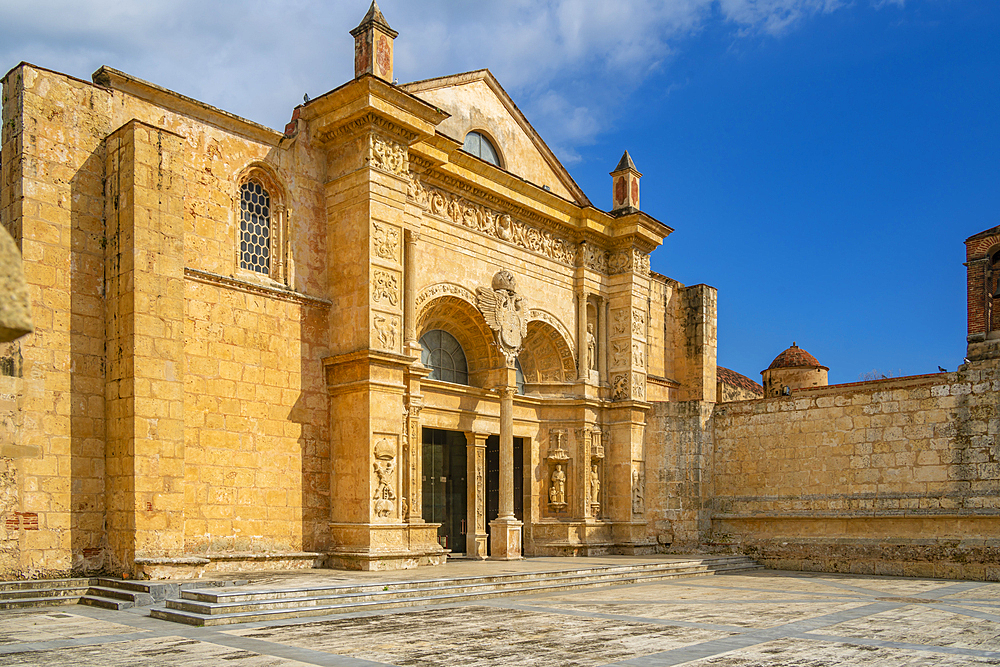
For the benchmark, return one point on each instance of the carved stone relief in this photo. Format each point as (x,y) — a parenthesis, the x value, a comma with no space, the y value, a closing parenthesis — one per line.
(480,489)
(595,258)
(620,387)
(619,353)
(621,322)
(638,492)
(595,488)
(440,289)
(504,311)
(638,355)
(387,156)
(496,224)
(385,287)
(638,323)
(628,259)
(384,466)
(638,386)
(385,241)
(386,328)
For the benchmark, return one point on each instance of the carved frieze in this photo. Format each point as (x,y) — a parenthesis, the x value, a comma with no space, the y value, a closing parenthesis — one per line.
(595,258)
(628,259)
(496,224)
(387,156)
(385,241)
(440,289)
(385,287)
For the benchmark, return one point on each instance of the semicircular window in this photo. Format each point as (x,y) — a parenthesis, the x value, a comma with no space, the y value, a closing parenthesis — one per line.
(477,144)
(444,356)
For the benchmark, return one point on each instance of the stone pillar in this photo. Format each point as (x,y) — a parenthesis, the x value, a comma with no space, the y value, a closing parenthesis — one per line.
(583,372)
(414,462)
(410,291)
(505,540)
(475,532)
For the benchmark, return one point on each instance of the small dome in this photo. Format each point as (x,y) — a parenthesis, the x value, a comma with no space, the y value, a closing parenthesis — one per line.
(795,357)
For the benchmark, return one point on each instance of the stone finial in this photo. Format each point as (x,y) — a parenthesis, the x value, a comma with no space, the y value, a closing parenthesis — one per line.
(15,305)
(373,45)
(625,185)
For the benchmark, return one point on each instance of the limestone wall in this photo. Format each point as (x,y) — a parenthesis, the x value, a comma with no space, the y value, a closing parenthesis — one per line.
(889,477)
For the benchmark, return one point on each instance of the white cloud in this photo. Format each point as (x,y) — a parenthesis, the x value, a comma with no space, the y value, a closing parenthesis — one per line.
(568,63)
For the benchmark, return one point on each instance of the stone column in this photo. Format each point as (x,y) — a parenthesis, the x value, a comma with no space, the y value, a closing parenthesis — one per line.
(583,372)
(410,290)
(505,540)
(475,532)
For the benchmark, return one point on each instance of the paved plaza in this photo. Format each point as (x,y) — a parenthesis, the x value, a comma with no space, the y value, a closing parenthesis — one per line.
(748,619)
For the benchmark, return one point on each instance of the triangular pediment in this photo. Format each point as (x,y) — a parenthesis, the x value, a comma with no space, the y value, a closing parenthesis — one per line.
(477,102)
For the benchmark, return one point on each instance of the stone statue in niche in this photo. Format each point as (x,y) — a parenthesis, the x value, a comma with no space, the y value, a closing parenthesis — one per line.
(591,348)
(557,491)
(638,493)
(595,486)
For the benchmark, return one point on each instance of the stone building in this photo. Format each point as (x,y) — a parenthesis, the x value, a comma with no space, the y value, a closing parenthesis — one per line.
(399,330)
(793,369)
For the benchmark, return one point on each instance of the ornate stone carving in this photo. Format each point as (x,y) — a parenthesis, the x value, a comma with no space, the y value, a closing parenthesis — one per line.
(619,353)
(386,330)
(385,241)
(621,322)
(480,489)
(620,387)
(595,487)
(387,156)
(384,498)
(439,289)
(628,259)
(505,314)
(638,355)
(385,287)
(496,224)
(557,487)
(595,258)
(638,492)
(638,323)
(639,386)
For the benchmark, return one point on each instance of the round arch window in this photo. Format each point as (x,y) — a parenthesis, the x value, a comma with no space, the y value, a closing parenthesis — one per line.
(477,144)
(444,356)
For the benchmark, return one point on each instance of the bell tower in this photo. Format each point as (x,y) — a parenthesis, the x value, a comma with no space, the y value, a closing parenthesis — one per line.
(373,45)
(983,289)
(625,185)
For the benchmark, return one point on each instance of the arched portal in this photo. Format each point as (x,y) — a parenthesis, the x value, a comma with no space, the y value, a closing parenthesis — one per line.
(463,321)
(546,356)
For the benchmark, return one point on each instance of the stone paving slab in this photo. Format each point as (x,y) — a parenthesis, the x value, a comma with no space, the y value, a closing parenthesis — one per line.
(754,619)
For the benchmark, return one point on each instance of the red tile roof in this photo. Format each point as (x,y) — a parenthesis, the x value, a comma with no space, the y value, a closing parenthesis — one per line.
(734,379)
(795,357)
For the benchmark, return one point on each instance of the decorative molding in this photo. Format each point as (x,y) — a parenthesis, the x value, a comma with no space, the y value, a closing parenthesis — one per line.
(495,224)
(443,289)
(628,259)
(367,121)
(280,293)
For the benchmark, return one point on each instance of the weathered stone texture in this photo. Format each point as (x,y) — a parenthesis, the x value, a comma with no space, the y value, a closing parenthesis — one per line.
(864,476)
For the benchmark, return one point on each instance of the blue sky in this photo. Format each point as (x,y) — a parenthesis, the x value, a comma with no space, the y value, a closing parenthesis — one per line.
(820,160)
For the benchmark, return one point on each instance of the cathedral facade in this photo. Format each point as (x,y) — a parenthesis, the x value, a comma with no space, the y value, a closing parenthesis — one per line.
(398,332)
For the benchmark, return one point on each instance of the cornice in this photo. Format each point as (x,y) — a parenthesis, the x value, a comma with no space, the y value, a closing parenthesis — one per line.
(282,294)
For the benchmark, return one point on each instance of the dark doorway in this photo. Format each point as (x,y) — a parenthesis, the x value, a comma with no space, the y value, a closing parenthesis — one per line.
(444,487)
(493,479)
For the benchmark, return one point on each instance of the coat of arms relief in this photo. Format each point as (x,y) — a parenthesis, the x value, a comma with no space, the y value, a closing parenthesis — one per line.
(505,313)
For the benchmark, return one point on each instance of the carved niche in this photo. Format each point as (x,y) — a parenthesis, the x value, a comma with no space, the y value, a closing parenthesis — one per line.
(558,467)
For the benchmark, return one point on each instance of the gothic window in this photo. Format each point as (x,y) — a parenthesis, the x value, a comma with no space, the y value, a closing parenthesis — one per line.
(477,144)
(444,356)
(255,227)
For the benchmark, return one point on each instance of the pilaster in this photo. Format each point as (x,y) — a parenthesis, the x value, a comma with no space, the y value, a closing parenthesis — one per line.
(476,536)
(145,317)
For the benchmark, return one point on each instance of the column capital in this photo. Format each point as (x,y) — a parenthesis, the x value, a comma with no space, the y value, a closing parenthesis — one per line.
(411,236)
(476,439)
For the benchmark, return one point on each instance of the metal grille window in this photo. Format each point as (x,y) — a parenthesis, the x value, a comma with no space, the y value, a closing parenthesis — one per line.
(255,227)
(444,356)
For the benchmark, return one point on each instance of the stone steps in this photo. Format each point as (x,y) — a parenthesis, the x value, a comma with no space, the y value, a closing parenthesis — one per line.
(201,607)
(104,592)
